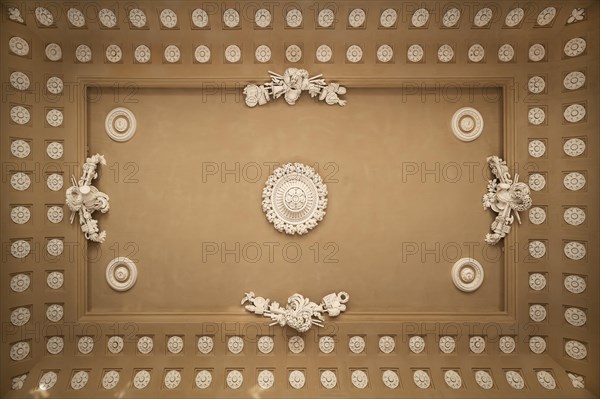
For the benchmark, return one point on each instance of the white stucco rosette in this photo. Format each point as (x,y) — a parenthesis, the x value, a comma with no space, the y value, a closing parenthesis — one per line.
(294,198)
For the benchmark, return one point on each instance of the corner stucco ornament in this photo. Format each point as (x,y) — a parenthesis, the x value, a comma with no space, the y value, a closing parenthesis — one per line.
(504,196)
(300,313)
(290,85)
(84,199)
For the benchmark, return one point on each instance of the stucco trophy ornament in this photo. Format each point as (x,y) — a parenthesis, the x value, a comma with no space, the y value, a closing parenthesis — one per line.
(300,313)
(504,196)
(84,199)
(290,85)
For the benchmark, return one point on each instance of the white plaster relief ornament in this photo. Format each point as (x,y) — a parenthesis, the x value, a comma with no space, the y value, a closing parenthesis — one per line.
(18,382)
(390,379)
(84,199)
(546,16)
(20,148)
(55,345)
(297,379)
(121,274)
(300,313)
(290,85)
(203,379)
(537,345)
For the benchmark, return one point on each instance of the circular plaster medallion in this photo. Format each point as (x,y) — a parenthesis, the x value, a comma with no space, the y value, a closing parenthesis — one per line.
(202,54)
(574,250)
(506,53)
(420,17)
(114,53)
(172,379)
(54,117)
(48,380)
(19,282)
(447,344)
(200,18)
(266,344)
(55,247)
(574,113)
(507,344)
(55,312)
(234,379)
(54,150)
(205,344)
(467,274)
(20,214)
(574,80)
(85,345)
(575,47)
(537,52)
(235,344)
(18,45)
(203,379)
(110,379)
(467,124)
(55,280)
(574,316)
(451,17)
(120,124)
(296,344)
(324,53)
(115,344)
(477,344)
(514,17)
(83,53)
(576,350)
(141,379)
(121,274)
(574,147)
(387,344)
(415,53)
(416,344)
(536,116)
(19,80)
(483,17)
(537,281)
(233,53)
(515,379)
(175,344)
(476,53)
(297,379)
(326,344)
(44,16)
(484,379)
(360,379)
(293,53)
(453,379)
(20,181)
(168,18)
(385,53)
(574,181)
(55,214)
(262,18)
(546,16)
(55,345)
(20,115)
(19,351)
(325,18)
(537,182)
(537,313)
(293,18)
(172,53)
(536,148)
(354,53)
(390,379)
(356,344)
(107,18)
(537,215)
(145,345)
(421,379)
(537,345)
(328,379)
(231,18)
(388,18)
(263,53)
(20,148)
(54,85)
(20,316)
(536,84)
(266,379)
(445,53)
(20,249)
(575,284)
(76,17)
(546,379)
(357,17)
(574,216)
(137,18)
(294,198)
(142,54)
